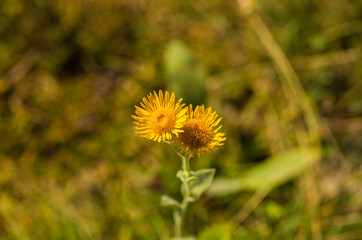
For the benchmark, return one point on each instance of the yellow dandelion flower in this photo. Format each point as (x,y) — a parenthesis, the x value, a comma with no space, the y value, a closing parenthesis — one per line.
(160,116)
(199,135)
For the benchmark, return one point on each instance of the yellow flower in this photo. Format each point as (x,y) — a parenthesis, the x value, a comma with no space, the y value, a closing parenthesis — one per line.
(160,116)
(198,133)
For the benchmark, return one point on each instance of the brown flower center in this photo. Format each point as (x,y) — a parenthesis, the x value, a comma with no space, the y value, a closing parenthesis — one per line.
(161,119)
(196,134)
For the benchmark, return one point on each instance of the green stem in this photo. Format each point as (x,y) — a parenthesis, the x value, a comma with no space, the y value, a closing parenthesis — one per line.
(186,166)
(178,223)
(180,213)
(187,175)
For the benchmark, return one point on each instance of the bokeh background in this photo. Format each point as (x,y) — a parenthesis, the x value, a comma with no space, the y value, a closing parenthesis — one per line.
(284,75)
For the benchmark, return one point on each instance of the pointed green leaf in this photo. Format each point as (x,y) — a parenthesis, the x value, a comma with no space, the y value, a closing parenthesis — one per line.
(180,175)
(167,201)
(270,173)
(203,180)
(224,186)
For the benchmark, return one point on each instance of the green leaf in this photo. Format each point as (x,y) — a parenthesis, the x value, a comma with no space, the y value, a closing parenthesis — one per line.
(186,77)
(216,232)
(224,186)
(203,179)
(268,174)
(180,175)
(167,201)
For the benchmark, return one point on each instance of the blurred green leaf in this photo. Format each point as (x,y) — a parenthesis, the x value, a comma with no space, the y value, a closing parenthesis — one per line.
(273,209)
(186,77)
(167,201)
(203,180)
(225,186)
(268,174)
(216,232)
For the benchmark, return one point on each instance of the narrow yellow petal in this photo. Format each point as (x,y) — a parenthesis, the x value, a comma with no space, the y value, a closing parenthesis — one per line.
(161,97)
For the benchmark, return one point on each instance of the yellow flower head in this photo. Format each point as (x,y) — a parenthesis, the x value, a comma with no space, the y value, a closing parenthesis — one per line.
(198,133)
(160,116)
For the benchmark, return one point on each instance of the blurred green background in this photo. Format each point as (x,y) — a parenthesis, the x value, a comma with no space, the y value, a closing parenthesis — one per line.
(71,71)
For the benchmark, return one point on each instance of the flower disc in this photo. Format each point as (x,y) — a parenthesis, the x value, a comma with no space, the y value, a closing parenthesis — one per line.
(199,135)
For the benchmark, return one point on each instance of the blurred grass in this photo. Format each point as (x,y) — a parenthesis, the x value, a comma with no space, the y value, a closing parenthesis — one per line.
(71,71)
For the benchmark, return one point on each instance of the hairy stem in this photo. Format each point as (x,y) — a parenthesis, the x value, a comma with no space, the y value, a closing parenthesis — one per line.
(180,213)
